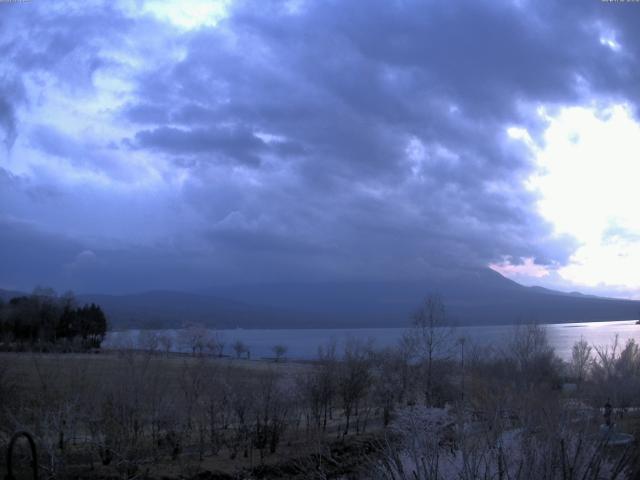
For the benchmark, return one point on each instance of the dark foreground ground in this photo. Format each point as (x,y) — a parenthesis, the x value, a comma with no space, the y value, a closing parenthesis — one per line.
(160,404)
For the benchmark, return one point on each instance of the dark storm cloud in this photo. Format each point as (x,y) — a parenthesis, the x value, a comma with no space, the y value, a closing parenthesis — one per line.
(7,122)
(354,87)
(12,94)
(29,255)
(236,143)
(338,140)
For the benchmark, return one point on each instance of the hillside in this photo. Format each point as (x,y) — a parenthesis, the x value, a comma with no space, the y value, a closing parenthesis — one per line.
(161,309)
(479,296)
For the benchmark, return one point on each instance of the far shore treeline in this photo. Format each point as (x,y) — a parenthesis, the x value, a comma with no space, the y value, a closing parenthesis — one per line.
(44,320)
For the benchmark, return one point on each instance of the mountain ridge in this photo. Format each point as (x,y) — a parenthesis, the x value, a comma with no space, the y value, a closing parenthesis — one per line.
(472,297)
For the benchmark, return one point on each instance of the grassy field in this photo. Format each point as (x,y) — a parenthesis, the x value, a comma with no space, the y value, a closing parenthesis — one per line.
(29,367)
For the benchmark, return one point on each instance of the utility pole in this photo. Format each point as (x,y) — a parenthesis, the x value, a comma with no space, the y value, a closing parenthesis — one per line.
(462,340)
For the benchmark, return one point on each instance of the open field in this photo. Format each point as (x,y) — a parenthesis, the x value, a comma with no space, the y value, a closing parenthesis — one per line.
(159,399)
(28,366)
(360,413)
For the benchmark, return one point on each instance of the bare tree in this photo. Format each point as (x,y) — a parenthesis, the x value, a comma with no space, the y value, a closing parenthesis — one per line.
(271,408)
(279,351)
(214,343)
(215,401)
(533,357)
(165,340)
(317,389)
(431,338)
(615,372)
(242,401)
(240,348)
(354,378)
(194,338)
(148,341)
(385,385)
(580,359)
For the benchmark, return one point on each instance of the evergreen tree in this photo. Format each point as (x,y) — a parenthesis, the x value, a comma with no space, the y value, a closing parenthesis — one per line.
(45,317)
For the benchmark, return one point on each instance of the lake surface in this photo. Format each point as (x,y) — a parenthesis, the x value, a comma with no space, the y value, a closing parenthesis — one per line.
(304,343)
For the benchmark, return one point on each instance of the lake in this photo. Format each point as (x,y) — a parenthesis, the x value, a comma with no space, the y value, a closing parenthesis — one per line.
(303,343)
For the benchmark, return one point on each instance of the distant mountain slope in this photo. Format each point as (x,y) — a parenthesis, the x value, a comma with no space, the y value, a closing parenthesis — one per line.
(7,295)
(170,309)
(480,296)
(160,309)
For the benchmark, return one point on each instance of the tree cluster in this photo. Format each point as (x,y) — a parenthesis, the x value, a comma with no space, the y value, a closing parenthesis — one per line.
(44,319)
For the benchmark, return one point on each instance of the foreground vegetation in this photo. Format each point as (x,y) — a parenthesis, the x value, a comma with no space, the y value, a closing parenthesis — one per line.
(433,407)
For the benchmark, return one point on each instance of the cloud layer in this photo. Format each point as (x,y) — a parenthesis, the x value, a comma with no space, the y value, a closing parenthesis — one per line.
(288,140)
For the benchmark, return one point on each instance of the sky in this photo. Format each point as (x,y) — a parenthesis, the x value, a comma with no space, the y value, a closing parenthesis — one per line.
(180,144)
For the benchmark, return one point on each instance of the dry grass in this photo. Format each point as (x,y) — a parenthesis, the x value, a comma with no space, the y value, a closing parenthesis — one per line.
(33,377)
(28,369)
